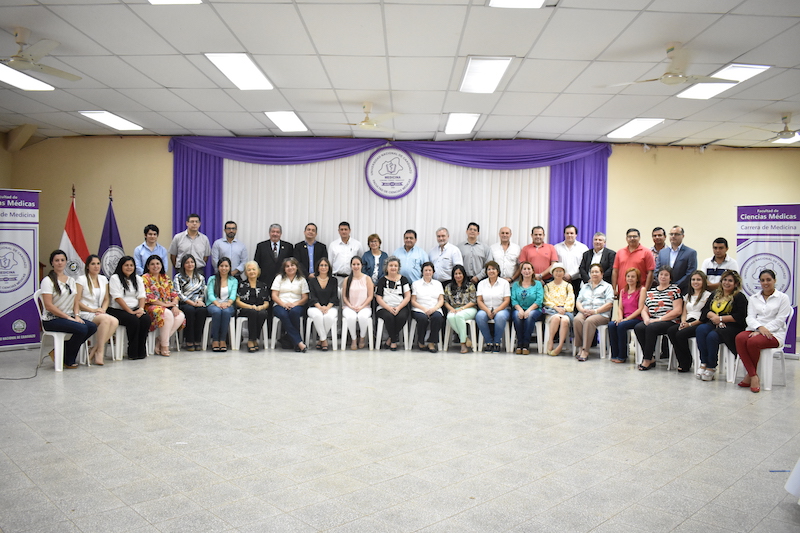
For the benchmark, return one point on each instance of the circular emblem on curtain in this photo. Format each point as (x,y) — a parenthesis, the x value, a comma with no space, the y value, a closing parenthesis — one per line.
(391,173)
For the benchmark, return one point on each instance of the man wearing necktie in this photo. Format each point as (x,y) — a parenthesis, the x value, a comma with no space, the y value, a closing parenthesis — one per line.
(271,253)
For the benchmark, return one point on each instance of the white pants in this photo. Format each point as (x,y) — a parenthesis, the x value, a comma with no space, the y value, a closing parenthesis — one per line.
(363,318)
(323,322)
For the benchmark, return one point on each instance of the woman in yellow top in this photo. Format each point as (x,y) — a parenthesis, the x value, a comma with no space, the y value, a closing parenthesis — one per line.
(559,303)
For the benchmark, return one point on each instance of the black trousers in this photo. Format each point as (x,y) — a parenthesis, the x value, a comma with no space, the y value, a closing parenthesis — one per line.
(136,328)
(195,322)
(394,323)
(680,342)
(255,321)
(435,321)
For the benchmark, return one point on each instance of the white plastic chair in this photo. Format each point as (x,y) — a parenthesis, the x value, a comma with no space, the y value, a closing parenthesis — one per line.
(539,335)
(119,340)
(276,330)
(546,336)
(59,338)
(379,335)
(207,330)
(311,328)
(369,334)
(472,331)
(506,337)
(412,334)
(766,362)
(602,331)
(151,341)
(671,362)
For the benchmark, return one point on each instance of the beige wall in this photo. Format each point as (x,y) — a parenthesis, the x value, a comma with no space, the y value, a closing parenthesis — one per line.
(5,163)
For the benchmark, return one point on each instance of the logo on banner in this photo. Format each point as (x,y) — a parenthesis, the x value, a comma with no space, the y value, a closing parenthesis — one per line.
(755,264)
(391,173)
(15,267)
(19,326)
(110,258)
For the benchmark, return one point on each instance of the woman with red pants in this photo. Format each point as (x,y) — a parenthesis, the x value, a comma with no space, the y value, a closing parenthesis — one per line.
(767,312)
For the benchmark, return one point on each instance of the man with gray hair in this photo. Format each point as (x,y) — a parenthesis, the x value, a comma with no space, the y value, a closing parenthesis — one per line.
(444,257)
(271,253)
(600,255)
(506,254)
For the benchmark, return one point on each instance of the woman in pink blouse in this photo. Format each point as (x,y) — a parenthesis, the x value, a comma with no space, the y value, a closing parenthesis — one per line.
(631,303)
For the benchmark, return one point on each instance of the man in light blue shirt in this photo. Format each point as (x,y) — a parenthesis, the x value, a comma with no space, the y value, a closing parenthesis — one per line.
(411,257)
(149,247)
(230,247)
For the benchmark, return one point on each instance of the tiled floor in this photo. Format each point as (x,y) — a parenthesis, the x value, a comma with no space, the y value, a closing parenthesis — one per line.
(390,441)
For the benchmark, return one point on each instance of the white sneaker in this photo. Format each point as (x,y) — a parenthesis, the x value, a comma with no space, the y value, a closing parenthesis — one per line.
(709,374)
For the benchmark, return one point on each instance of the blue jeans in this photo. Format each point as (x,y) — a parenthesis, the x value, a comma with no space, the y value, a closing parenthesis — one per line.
(290,320)
(525,327)
(618,333)
(80,334)
(708,342)
(220,322)
(500,320)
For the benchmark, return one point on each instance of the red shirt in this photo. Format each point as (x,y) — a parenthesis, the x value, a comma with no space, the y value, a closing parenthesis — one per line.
(641,258)
(541,258)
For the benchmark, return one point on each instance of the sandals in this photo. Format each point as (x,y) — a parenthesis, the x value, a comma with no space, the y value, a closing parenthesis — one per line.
(165,350)
(646,368)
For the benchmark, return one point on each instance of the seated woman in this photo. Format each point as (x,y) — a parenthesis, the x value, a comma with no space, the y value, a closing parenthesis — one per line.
(593,304)
(93,299)
(252,299)
(374,260)
(220,296)
(767,312)
(631,304)
(662,308)
(323,299)
(357,294)
(723,317)
(393,296)
(527,298)
(559,303)
(190,285)
(127,305)
(427,300)
(289,296)
(461,302)
(494,300)
(693,303)
(62,309)
(161,303)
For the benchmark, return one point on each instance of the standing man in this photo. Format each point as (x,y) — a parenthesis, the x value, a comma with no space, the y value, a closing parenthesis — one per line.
(635,255)
(540,254)
(342,250)
(680,257)
(475,254)
(230,247)
(411,257)
(444,257)
(717,264)
(149,247)
(309,251)
(659,240)
(271,253)
(191,242)
(570,252)
(506,254)
(600,255)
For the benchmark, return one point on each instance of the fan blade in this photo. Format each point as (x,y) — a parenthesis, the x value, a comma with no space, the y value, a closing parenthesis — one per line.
(708,79)
(755,128)
(632,82)
(44,69)
(37,51)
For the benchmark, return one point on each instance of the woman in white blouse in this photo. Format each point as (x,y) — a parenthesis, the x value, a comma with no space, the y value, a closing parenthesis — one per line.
(679,334)
(62,310)
(93,299)
(593,304)
(494,301)
(289,297)
(127,305)
(427,299)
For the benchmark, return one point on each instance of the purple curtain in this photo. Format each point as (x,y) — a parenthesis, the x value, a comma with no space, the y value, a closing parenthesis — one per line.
(197,188)
(578,194)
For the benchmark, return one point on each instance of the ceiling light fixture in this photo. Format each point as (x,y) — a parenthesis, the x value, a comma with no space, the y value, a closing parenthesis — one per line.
(22,81)
(111,120)
(241,70)
(517,4)
(287,121)
(634,128)
(174,2)
(483,74)
(461,123)
(790,140)
(738,72)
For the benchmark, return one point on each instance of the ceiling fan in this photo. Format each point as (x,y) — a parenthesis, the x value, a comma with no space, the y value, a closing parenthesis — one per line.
(676,72)
(785,133)
(372,124)
(27,57)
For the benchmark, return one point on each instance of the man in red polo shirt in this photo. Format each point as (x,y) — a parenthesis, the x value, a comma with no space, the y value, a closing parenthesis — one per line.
(635,255)
(540,254)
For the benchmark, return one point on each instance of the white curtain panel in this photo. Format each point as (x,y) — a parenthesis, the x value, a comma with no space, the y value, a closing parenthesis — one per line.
(255,196)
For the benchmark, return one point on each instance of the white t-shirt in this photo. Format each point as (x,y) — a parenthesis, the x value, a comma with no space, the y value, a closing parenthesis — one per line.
(64,301)
(493,295)
(290,291)
(427,294)
(130,297)
(693,308)
(93,299)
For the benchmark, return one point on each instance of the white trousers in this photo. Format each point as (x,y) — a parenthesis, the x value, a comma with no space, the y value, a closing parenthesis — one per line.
(363,318)
(323,322)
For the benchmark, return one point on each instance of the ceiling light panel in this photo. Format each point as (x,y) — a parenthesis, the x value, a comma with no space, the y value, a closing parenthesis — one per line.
(22,81)
(790,140)
(738,72)
(461,123)
(174,2)
(241,70)
(287,121)
(483,74)
(111,120)
(634,128)
(516,4)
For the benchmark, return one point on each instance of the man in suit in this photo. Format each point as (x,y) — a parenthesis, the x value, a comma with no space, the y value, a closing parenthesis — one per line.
(271,253)
(598,254)
(309,251)
(681,258)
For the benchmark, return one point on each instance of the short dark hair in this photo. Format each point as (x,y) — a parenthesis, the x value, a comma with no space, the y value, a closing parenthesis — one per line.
(154,257)
(231,222)
(570,226)
(659,228)
(151,227)
(310,224)
(477,226)
(193,215)
(630,230)
(665,268)
(535,228)
(721,240)
(426,264)
(343,223)
(411,231)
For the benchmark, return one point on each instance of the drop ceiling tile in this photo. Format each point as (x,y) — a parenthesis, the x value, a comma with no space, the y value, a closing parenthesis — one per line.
(21,103)
(349,30)
(420,73)
(294,72)
(545,75)
(324,120)
(158,99)
(267,28)
(496,135)
(727,110)
(69,121)
(601,75)
(233,121)
(537,135)
(736,35)
(506,123)
(192,120)
(682,128)
(60,100)
(209,99)
(692,6)
(315,100)
(171,71)
(111,71)
(418,101)
(678,108)
(44,24)
(259,101)
(523,103)
(212,132)
(553,125)
(352,100)
(608,4)
(576,105)
(416,122)
(514,31)
(108,100)
(116,28)
(780,51)
(778,87)
(423,30)
(781,8)
(349,72)
(152,121)
(457,102)
(191,29)
(594,127)
(579,33)
(627,106)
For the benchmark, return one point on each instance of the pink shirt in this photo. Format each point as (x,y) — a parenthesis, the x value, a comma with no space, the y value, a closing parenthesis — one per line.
(629,302)
(358,291)
(641,258)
